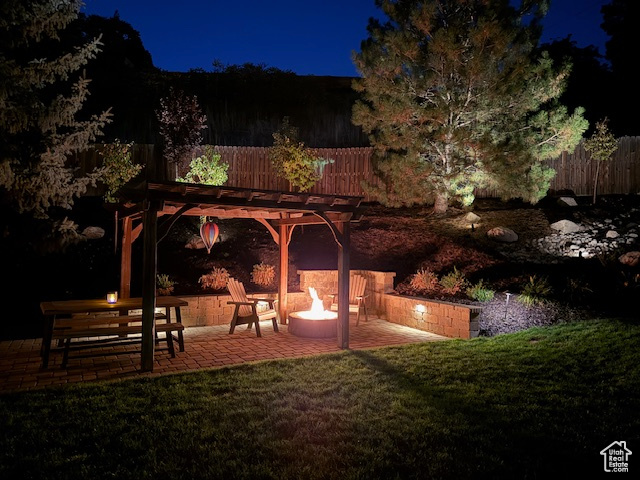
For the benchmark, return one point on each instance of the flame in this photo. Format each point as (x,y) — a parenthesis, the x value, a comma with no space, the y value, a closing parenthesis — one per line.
(317,311)
(317,307)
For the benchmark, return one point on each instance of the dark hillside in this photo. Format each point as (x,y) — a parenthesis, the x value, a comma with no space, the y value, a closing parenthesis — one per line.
(241,109)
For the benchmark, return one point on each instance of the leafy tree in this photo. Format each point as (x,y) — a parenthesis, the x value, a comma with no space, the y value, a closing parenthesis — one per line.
(455,97)
(293,161)
(118,167)
(601,145)
(41,123)
(181,122)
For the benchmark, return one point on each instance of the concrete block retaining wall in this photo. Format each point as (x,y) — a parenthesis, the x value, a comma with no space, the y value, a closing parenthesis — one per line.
(448,319)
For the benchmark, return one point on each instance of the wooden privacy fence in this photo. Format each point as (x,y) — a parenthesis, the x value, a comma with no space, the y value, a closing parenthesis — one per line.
(249,167)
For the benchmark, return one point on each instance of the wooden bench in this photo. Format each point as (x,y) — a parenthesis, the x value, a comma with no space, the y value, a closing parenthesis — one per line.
(91,331)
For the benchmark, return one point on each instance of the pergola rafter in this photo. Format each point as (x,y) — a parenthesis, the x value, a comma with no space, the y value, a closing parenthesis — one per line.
(279,212)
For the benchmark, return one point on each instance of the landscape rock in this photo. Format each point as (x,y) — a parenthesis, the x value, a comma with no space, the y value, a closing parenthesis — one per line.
(195,243)
(471,218)
(612,234)
(567,202)
(566,226)
(93,233)
(630,258)
(503,234)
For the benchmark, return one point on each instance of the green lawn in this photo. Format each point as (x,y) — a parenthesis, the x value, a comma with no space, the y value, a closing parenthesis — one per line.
(536,404)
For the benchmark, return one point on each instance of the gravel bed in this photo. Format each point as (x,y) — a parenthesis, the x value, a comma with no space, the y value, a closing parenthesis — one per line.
(497,317)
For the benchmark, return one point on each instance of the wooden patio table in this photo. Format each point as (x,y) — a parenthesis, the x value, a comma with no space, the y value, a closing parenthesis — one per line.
(55,310)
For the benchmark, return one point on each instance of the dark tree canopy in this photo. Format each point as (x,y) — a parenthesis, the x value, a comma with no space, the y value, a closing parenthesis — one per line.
(589,84)
(621,23)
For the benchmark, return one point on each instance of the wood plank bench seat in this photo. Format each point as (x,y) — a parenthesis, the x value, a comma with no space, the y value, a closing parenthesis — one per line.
(91,331)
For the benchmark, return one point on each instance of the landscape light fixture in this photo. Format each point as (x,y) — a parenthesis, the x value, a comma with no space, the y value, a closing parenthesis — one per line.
(506,307)
(112,297)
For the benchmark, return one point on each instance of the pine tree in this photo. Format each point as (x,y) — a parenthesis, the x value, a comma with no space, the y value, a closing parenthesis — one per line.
(455,97)
(41,98)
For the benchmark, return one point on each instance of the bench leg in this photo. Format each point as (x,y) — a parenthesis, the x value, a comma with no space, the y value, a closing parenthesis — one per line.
(178,338)
(47,335)
(178,320)
(172,350)
(180,341)
(275,325)
(65,355)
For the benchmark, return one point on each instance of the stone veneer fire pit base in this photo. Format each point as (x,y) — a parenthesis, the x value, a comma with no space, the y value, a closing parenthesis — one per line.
(301,326)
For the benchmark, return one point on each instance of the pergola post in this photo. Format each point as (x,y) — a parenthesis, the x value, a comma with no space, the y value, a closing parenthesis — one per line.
(149,272)
(125,259)
(284,272)
(344,262)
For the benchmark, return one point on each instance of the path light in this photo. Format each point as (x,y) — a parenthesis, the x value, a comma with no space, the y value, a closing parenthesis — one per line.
(506,308)
(112,297)
(421,308)
(209,233)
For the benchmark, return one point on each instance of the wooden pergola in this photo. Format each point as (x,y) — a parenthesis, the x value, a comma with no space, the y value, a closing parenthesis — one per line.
(152,208)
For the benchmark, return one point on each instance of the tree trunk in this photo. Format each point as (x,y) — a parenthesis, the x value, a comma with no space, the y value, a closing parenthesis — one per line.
(595,182)
(441,204)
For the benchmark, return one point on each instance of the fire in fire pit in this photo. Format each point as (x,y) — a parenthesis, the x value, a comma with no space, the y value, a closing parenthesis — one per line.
(316,323)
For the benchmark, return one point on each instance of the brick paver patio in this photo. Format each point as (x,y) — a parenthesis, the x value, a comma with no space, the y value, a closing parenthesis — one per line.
(205,347)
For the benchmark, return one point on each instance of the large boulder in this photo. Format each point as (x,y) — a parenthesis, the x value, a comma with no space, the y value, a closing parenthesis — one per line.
(502,234)
(630,258)
(471,218)
(195,243)
(567,202)
(93,233)
(566,226)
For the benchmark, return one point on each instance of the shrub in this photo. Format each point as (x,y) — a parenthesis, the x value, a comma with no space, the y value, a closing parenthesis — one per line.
(535,291)
(164,285)
(480,292)
(216,280)
(206,169)
(577,290)
(453,282)
(263,274)
(424,281)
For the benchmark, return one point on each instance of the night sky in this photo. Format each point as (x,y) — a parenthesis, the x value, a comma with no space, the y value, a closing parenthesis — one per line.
(308,37)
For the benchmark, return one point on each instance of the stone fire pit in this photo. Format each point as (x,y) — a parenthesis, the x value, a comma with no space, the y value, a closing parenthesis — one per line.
(305,324)
(314,323)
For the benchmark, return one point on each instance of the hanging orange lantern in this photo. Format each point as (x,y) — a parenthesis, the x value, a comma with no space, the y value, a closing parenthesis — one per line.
(209,234)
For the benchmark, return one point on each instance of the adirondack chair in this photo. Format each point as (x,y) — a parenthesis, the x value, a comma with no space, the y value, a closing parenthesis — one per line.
(247,310)
(357,285)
